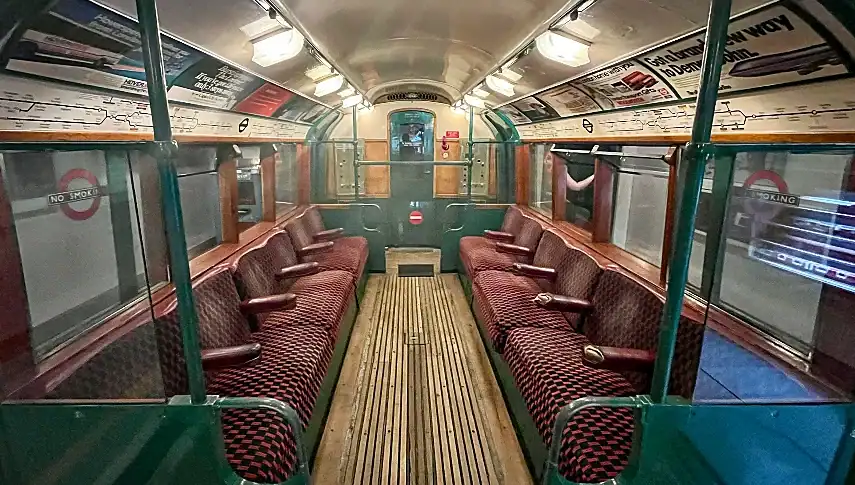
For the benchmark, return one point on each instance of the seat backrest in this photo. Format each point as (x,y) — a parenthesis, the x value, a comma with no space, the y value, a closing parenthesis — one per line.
(314,220)
(551,252)
(513,219)
(254,273)
(221,324)
(300,233)
(528,235)
(578,275)
(627,314)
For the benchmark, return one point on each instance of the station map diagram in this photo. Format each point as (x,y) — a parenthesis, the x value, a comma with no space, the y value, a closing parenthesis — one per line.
(33,106)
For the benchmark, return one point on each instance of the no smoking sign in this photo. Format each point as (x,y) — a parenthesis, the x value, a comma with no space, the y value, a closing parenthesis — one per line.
(80,194)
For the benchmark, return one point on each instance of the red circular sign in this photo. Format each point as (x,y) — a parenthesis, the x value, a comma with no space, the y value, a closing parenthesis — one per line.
(416,218)
(92,193)
(757,207)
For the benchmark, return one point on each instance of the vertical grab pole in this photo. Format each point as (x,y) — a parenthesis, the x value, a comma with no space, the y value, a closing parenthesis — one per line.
(173,219)
(471,154)
(355,156)
(698,152)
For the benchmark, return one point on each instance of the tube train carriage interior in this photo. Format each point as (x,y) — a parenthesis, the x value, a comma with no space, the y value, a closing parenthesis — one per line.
(387,242)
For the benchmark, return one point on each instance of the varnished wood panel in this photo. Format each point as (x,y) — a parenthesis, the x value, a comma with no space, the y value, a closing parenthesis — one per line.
(522,173)
(447,179)
(268,188)
(85,136)
(227,171)
(377,178)
(417,402)
(843,137)
(559,189)
(604,191)
(304,174)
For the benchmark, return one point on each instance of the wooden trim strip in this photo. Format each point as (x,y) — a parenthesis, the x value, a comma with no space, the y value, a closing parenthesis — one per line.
(522,174)
(268,187)
(559,189)
(228,185)
(604,191)
(85,136)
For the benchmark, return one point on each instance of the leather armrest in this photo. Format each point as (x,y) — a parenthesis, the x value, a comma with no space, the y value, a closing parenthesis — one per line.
(499,236)
(315,248)
(272,303)
(537,272)
(513,249)
(618,359)
(329,234)
(561,303)
(299,270)
(230,357)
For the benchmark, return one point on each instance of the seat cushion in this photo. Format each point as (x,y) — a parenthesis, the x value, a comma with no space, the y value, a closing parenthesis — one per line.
(548,370)
(504,301)
(477,258)
(340,258)
(294,362)
(322,300)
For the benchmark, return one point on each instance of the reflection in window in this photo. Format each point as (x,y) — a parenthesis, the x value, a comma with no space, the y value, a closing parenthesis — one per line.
(82,220)
(790,236)
(640,202)
(579,203)
(540,178)
(198,183)
(286,177)
(249,187)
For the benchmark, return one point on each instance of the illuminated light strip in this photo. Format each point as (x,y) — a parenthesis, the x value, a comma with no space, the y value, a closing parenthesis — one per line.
(800,272)
(822,245)
(802,229)
(826,200)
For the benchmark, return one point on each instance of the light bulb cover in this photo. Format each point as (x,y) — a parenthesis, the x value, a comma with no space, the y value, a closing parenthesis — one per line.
(563,49)
(352,101)
(474,101)
(500,86)
(329,85)
(276,48)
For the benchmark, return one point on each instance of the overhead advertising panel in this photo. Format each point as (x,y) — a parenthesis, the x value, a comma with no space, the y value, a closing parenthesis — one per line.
(84,43)
(767,48)
(773,46)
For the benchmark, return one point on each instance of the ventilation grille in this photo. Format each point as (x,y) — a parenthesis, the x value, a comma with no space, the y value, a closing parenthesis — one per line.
(412,96)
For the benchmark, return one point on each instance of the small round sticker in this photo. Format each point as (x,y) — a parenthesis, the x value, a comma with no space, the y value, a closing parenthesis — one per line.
(416,218)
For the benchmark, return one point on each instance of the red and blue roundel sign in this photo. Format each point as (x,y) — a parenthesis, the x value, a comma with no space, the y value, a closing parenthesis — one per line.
(416,218)
(78,187)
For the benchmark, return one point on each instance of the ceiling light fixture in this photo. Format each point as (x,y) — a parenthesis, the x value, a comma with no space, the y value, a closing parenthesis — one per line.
(480,93)
(347,92)
(563,48)
(352,101)
(319,72)
(277,47)
(500,86)
(329,85)
(474,101)
(509,75)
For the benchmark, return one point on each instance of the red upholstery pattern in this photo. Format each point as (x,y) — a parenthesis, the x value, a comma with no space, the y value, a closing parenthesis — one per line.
(340,257)
(551,253)
(626,314)
(293,364)
(504,301)
(353,244)
(314,220)
(479,254)
(578,275)
(547,369)
(513,219)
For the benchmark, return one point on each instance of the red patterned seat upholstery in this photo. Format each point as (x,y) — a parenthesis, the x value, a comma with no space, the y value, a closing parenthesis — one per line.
(503,301)
(477,256)
(322,298)
(350,257)
(510,224)
(315,223)
(549,373)
(293,363)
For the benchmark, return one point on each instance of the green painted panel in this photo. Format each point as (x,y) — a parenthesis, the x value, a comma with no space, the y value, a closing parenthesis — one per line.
(109,443)
(465,221)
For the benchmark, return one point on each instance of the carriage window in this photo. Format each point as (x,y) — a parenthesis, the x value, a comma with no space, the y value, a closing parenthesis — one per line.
(80,222)
(250,199)
(540,178)
(789,261)
(198,182)
(286,177)
(640,202)
(579,197)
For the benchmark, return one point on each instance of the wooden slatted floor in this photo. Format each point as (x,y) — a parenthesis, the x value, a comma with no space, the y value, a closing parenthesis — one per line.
(417,402)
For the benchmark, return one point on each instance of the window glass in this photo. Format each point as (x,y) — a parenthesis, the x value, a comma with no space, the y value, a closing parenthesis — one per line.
(790,240)
(540,178)
(286,177)
(579,203)
(640,203)
(81,221)
(703,221)
(200,198)
(250,201)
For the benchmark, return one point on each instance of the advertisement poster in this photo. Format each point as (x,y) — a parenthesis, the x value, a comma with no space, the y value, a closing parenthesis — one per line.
(534,109)
(625,85)
(766,48)
(294,109)
(514,114)
(212,83)
(80,42)
(568,100)
(265,100)
(313,114)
